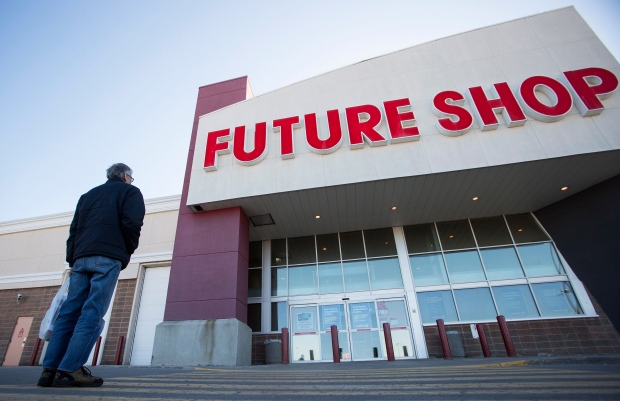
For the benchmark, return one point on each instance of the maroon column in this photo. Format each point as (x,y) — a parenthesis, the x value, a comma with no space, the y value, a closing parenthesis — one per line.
(335,344)
(209,273)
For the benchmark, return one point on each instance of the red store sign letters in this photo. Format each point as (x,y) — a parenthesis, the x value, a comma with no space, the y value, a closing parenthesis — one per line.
(585,88)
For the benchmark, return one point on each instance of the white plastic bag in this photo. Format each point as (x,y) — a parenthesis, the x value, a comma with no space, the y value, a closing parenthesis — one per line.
(47,325)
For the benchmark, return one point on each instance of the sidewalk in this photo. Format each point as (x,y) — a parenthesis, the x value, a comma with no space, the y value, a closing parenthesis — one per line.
(584,377)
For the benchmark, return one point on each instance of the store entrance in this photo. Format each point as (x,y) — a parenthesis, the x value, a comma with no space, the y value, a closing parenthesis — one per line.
(360,330)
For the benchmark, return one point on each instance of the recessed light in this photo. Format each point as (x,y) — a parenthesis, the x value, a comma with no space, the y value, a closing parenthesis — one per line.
(324,249)
(475,198)
(563,188)
(317,217)
(386,243)
(393,207)
(452,236)
(520,230)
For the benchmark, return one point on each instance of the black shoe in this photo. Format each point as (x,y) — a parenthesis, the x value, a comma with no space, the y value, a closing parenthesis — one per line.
(79,378)
(47,378)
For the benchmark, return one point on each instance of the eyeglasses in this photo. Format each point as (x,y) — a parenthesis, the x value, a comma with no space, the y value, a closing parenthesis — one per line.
(130,177)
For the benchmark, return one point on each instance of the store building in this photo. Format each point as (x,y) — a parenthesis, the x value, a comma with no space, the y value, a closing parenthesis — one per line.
(461,179)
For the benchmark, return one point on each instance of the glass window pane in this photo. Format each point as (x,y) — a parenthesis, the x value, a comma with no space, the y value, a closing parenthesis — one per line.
(525,229)
(279,316)
(501,263)
(256,254)
(278,282)
(385,273)
(328,248)
(302,280)
(464,267)
(330,278)
(380,242)
(556,299)
(332,315)
(301,250)
(515,302)
(355,276)
(455,235)
(421,238)
(491,231)
(255,283)
(475,304)
(540,259)
(254,316)
(352,245)
(428,269)
(437,305)
(278,252)
(392,312)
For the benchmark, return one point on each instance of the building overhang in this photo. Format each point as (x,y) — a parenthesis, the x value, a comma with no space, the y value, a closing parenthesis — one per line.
(506,189)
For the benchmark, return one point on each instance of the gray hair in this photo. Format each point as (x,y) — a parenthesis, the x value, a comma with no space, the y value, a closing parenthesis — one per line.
(118,170)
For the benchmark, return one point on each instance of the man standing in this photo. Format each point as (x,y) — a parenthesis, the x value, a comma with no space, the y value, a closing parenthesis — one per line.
(104,233)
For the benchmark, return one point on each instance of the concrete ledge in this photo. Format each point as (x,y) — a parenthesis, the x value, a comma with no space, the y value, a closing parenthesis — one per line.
(219,342)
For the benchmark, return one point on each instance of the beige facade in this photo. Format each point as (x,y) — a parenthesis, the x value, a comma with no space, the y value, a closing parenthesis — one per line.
(32,251)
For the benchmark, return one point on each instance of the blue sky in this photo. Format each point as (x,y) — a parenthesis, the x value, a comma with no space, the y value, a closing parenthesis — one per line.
(84,84)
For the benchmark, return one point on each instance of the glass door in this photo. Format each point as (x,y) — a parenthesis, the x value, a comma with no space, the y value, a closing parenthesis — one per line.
(394,312)
(305,340)
(365,339)
(334,315)
(360,330)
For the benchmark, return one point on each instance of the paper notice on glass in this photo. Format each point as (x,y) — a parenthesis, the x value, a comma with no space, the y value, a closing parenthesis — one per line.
(305,321)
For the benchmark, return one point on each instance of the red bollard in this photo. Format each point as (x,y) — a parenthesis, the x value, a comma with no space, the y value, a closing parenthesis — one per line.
(335,345)
(96,354)
(387,333)
(284,346)
(35,351)
(483,340)
(118,360)
(443,337)
(503,328)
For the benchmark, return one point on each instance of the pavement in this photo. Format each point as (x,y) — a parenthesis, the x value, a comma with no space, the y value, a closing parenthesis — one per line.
(581,377)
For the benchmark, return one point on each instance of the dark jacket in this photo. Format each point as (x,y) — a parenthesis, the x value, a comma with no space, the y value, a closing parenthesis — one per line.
(107,222)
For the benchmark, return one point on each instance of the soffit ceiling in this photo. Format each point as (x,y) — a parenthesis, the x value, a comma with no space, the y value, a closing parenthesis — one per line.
(506,189)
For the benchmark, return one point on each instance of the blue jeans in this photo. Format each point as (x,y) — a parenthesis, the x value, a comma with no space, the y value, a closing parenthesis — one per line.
(80,320)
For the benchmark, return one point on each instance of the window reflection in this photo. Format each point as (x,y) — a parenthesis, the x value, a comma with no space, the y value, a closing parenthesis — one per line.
(355,276)
(279,281)
(556,299)
(491,231)
(352,245)
(255,283)
(475,304)
(515,302)
(455,235)
(523,228)
(330,278)
(540,259)
(428,269)
(421,238)
(379,242)
(279,315)
(302,280)
(385,273)
(464,267)
(437,305)
(501,263)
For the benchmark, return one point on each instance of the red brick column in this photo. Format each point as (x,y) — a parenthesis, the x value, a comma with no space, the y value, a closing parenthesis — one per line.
(209,273)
